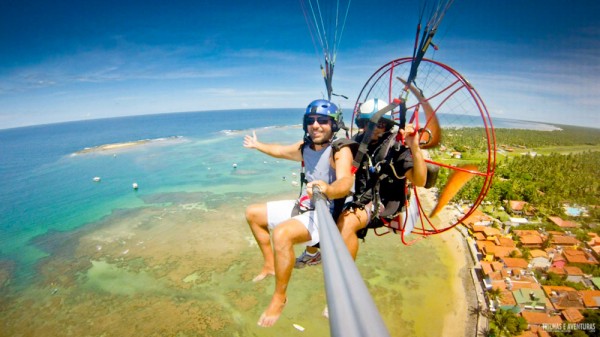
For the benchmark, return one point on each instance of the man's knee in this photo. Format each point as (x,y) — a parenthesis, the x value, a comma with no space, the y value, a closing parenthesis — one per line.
(256,214)
(288,234)
(282,237)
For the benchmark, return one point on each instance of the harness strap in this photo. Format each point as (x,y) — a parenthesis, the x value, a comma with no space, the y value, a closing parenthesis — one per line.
(396,174)
(380,154)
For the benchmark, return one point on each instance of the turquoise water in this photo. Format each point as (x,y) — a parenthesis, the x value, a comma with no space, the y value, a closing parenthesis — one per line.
(573,211)
(48,187)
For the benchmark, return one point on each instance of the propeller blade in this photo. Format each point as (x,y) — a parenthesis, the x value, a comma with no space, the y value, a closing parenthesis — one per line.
(456,181)
(433,125)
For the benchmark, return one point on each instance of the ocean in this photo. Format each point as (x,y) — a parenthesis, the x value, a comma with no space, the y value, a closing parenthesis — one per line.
(174,255)
(47,186)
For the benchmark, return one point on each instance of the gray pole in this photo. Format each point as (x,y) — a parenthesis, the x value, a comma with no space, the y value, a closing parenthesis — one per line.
(352,312)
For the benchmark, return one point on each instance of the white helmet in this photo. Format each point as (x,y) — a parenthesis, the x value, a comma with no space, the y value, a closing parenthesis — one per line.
(369,108)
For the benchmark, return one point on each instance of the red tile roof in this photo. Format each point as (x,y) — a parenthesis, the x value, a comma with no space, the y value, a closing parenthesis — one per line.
(523,232)
(486,267)
(564,240)
(594,239)
(497,266)
(549,289)
(575,271)
(479,236)
(557,270)
(531,239)
(539,331)
(506,298)
(563,223)
(477,217)
(506,242)
(491,231)
(563,297)
(539,318)
(538,253)
(516,205)
(572,315)
(578,256)
(524,284)
(499,284)
(515,262)
(483,244)
(591,298)
(567,299)
(499,252)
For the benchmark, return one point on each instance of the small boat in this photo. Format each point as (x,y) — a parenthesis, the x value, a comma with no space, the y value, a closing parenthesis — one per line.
(135,186)
(96,179)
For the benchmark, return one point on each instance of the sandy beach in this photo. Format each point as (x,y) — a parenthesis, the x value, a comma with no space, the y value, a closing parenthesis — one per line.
(184,265)
(459,321)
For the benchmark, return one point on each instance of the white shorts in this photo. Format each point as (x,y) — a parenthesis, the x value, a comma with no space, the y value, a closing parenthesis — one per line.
(280,211)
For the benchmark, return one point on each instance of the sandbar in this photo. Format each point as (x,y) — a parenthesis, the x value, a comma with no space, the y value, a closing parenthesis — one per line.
(124,145)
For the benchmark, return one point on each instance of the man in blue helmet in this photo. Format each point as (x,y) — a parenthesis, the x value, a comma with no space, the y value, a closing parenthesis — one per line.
(328,165)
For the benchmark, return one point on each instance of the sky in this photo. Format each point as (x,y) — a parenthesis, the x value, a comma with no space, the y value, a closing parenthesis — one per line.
(536,60)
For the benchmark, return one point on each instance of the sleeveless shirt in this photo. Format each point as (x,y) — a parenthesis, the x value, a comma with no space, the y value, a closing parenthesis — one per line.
(318,167)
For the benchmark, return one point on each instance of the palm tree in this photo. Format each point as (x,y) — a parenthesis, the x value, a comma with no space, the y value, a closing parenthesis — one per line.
(507,323)
(494,293)
(486,332)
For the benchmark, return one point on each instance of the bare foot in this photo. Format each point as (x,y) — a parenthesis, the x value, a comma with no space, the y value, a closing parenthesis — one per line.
(262,276)
(271,315)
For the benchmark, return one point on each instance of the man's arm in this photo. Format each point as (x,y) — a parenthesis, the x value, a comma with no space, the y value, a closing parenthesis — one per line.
(290,152)
(418,174)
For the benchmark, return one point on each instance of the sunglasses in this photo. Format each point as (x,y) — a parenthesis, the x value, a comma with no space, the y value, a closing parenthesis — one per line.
(322,120)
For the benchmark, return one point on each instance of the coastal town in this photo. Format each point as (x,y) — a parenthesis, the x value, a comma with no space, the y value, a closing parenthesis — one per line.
(544,272)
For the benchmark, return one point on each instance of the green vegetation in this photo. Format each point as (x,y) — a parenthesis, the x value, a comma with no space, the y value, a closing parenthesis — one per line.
(562,166)
(549,181)
(589,269)
(506,323)
(568,136)
(552,279)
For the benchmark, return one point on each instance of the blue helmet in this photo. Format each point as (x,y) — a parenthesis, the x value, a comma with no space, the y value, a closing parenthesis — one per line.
(367,109)
(325,108)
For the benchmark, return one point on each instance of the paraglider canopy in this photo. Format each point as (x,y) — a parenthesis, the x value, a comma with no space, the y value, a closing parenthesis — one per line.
(326,21)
